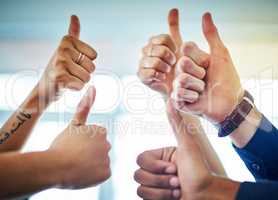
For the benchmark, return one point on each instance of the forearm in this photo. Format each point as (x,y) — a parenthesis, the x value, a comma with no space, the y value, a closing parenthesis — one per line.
(19,126)
(243,134)
(194,126)
(24,174)
(210,154)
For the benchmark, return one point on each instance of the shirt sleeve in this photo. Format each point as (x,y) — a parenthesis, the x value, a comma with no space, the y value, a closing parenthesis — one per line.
(260,155)
(258,191)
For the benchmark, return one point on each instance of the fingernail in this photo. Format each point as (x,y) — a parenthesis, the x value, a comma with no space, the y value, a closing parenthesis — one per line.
(171,170)
(176,193)
(174,182)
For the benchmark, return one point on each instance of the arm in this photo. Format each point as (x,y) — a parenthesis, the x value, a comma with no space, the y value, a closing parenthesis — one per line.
(206,148)
(67,164)
(64,71)
(256,143)
(157,70)
(24,174)
(19,126)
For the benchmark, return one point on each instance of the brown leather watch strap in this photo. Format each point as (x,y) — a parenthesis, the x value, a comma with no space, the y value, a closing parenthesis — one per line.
(239,114)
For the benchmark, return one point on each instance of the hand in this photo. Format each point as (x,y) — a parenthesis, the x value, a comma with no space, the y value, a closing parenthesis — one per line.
(196,180)
(64,70)
(158,65)
(216,94)
(157,175)
(83,149)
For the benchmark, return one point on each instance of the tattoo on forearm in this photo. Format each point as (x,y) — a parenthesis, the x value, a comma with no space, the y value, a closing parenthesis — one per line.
(21,118)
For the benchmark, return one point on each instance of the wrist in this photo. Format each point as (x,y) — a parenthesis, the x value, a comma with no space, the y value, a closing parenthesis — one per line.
(220,188)
(35,102)
(59,168)
(246,130)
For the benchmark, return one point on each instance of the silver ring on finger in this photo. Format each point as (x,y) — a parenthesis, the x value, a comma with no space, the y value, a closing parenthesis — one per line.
(80,58)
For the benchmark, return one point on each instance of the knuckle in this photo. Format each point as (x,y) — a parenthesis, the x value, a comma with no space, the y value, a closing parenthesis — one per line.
(186,63)
(67,38)
(63,49)
(144,50)
(62,63)
(188,47)
(156,62)
(165,37)
(164,53)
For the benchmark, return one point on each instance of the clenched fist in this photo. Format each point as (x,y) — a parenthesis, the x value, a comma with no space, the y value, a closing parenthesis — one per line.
(83,150)
(70,66)
(157,66)
(157,175)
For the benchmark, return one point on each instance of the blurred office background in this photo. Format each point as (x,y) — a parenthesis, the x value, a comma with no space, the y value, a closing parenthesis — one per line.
(30,31)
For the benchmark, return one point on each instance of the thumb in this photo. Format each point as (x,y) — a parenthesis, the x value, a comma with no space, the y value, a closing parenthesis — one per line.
(84,107)
(74,28)
(211,33)
(174,27)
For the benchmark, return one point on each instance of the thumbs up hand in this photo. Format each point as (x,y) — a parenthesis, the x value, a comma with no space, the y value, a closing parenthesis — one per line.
(195,178)
(70,66)
(213,94)
(83,150)
(158,64)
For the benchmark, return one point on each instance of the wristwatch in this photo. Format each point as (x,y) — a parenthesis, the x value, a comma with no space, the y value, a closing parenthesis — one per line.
(238,115)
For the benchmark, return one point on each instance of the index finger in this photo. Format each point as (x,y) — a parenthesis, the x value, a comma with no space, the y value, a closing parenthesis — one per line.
(152,161)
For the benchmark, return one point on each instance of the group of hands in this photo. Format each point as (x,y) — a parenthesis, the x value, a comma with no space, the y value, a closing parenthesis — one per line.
(191,81)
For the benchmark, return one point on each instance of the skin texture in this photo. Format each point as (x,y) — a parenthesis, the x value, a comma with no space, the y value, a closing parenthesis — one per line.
(159,58)
(216,94)
(61,73)
(157,67)
(66,164)
(196,180)
(159,168)
(157,174)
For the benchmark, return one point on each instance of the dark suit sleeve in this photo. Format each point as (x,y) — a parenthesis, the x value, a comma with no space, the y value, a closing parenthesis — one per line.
(260,155)
(258,191)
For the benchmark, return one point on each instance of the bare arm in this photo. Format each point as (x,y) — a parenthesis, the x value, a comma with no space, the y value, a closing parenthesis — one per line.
(209,154)
(63,72)
(25,174)
(16,130)
(67,164)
